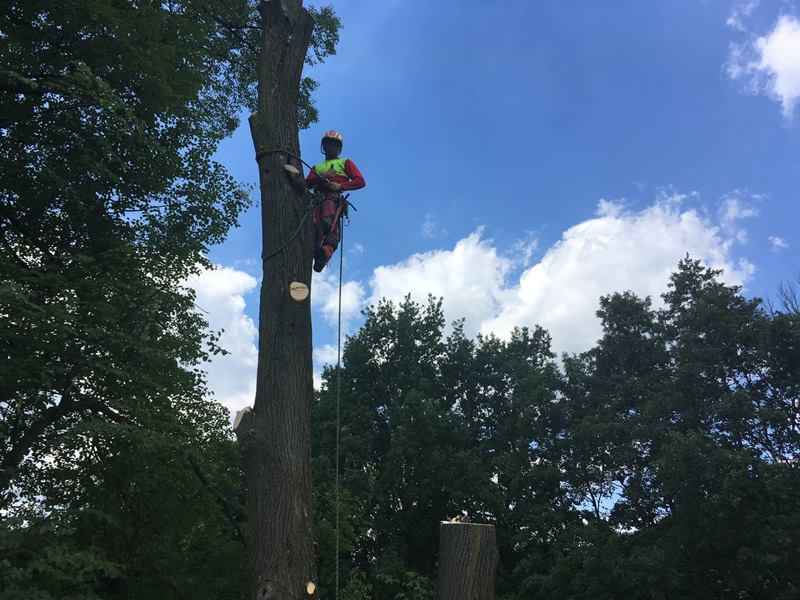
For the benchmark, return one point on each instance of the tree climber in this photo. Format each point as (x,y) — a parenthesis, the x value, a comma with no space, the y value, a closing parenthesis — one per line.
(331,177)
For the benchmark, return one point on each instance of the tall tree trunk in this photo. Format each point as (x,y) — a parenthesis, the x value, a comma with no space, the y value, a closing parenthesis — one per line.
(467,561)
(280,544)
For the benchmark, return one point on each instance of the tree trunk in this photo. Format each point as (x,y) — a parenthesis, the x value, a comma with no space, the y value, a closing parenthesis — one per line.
(467,561)
(278,468)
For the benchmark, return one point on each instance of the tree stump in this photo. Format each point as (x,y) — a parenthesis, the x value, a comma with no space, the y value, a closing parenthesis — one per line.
(467,561)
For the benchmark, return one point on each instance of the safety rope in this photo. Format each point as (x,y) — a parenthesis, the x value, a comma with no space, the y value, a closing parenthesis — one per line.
(311,204)
(315,199)
(261,153)
(339,394)
(340,224)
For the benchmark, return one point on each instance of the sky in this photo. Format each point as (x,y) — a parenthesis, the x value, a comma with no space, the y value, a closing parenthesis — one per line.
(525,158)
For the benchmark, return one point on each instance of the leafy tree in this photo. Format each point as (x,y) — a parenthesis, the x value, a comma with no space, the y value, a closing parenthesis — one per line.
(659,464)
(682,445)
(435,425)
(116,476)
(108,199)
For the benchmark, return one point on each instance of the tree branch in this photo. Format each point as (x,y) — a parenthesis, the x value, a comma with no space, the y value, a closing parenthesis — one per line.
(13,458)
(231,511)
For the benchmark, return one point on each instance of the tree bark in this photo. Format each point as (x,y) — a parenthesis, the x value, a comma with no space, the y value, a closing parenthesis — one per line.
(467,561)
(280,542)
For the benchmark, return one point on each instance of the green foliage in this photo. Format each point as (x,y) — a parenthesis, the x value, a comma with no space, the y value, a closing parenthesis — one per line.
(434,424)
(682,447)
(660,464)
(242,22)
(127,511)
(117,475)
(108,199)
(115,468)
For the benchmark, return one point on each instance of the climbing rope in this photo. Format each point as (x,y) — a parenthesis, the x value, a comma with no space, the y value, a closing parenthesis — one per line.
(315,199)
(261,153)
(313,202)
(339,393)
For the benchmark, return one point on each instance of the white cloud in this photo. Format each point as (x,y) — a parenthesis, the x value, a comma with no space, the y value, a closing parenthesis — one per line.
(741,11)
(322,356)
(523,249)
(770,64)
(734,209)
(470,278)
(609,208)
(777,243)
(220,293)
(325,355)
(617,250)
(325,297)
(431,229)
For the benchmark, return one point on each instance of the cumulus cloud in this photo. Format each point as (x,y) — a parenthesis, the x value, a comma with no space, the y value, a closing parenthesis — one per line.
(777,243)
(740,12)
(523,249)
(734,209)
(470,277)
(220,293)
(770,64)
(221,296)
(617,250)
(323,356)
(325,297)
(431,228)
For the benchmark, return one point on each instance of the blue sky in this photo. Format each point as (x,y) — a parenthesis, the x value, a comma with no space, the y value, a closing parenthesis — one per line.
(523,158)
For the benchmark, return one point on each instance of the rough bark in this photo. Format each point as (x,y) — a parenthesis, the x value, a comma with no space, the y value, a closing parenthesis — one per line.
(280,541)
(467,561)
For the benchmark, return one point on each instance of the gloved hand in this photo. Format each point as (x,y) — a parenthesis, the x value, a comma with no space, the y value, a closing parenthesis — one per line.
(327,185)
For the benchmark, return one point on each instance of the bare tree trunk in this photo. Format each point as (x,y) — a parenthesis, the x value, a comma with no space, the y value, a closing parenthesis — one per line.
(467,561)
(278,467)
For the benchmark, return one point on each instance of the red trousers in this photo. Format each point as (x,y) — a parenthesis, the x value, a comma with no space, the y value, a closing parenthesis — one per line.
(326,225)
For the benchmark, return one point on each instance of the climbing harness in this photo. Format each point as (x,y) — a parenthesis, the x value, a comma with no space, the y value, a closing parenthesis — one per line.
(315,200)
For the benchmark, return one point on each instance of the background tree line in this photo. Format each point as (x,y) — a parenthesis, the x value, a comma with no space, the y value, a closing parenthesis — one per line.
(662,463)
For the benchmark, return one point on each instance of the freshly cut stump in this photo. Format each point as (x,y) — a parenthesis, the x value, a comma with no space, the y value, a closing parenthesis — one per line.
(467,561)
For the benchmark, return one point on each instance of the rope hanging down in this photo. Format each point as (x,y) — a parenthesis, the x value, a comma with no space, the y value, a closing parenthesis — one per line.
(315,199)
(339,396)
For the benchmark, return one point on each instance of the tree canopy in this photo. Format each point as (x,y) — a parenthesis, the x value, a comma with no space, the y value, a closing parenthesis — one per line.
(118,473)
(660,463)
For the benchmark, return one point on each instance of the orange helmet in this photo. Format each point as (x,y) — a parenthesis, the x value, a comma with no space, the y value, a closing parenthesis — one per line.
(333,135)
